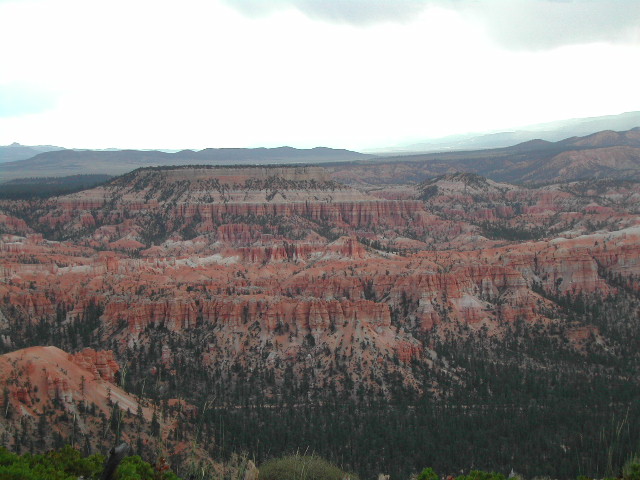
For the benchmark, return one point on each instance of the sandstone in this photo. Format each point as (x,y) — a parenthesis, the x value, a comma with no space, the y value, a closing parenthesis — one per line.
(299,270)
(102,364)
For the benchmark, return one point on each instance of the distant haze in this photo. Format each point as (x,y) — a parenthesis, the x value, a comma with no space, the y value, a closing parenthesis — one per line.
(345,74)
(552,131)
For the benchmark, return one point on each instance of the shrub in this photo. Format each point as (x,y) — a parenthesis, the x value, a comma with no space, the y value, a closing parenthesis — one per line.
(69,464)
(480,475)
(301,467)
(428,474)
(631,469)
(64,464)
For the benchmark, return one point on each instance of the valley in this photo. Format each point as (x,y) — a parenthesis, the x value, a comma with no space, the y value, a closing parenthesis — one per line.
(260,297)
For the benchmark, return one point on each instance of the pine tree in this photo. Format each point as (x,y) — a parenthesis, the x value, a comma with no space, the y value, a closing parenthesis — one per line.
(115,422)
(155,425)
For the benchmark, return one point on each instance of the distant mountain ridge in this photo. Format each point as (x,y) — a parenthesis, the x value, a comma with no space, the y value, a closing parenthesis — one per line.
(85,162)
(551,131)
(15,151)
(605,154)
(606,138)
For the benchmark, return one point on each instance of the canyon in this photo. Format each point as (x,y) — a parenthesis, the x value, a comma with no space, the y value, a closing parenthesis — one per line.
(276,268)
(201,290)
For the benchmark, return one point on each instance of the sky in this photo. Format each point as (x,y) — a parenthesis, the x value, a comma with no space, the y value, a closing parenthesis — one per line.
(358,74)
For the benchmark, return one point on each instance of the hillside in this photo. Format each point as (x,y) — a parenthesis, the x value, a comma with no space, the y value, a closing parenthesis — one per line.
(606,138)
(52,398)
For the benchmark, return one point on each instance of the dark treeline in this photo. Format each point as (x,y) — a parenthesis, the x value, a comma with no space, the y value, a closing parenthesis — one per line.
(45,187)
(560,439)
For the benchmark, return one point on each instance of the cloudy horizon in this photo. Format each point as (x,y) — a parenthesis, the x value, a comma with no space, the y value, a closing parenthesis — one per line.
(357,74)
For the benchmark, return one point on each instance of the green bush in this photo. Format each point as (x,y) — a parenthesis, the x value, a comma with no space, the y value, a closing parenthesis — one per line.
(302,467)
(428,474)
(134,468)
(480,475)
(631,469)
(69,464)
(64,464)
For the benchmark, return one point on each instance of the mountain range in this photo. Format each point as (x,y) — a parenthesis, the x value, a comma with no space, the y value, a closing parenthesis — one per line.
(15,151)
(115,162)
(603,154)
(23,161)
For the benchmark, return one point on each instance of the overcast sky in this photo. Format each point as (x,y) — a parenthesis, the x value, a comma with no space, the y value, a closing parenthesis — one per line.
(341,73)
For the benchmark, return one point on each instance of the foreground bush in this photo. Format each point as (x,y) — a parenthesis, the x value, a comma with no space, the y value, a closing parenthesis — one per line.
(480,475)
(302,467)
(428,474)
(69,464)
(631,469)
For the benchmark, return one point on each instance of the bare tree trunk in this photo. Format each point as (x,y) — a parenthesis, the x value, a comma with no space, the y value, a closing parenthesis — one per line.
(116,455)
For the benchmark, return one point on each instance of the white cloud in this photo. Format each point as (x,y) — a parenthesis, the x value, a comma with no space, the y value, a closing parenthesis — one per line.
(546,24)
(356,12)
(515,24)
(158,74)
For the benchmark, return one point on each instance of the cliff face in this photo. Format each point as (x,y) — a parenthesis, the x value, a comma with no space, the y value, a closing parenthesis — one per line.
(293,275)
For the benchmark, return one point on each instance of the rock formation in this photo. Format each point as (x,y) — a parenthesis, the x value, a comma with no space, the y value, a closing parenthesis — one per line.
(287,272)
